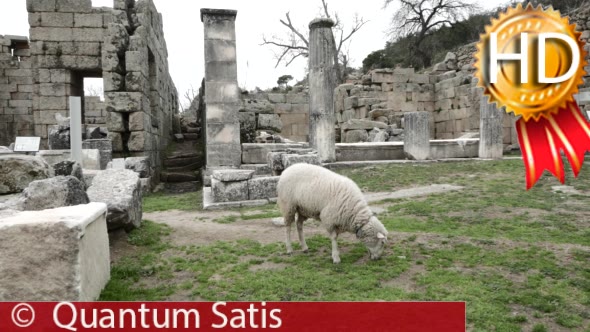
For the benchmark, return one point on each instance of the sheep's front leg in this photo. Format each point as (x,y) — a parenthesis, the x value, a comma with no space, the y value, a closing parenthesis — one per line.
(335,252)
(300,220)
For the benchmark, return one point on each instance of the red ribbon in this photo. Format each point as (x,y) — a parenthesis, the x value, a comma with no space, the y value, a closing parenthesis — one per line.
(541,142)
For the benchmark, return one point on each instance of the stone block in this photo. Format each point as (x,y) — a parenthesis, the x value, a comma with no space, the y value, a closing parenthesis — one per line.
(277,98)
(355,136)
(381,77)
(93,20)
(61,20)
(221,71)
(219,155)
(120,189)
(115,122)
(17,171)
(417,135)
(232,175)
(491,131)
(139,121)
(113,81)
(351,102)
(270,122)
(221,112)
(125,102)
(219,28)
(137,61)
(223,133)
(297,98)
(51,34)
(136,81)
(53,193)
(292,159)
(229,191)
(221,92)
(139,141)
(140,165)
(263,187)
(74,6)
(105,148)
(55,255)
(68,168)
(220,50)
(40,5)
(258,153)
(361,124)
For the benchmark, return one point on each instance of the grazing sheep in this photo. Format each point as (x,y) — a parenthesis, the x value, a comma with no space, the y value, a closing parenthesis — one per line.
(315,192)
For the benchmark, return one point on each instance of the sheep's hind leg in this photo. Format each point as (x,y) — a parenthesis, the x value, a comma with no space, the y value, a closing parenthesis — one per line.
(335,252)
(289,218)
(300,220)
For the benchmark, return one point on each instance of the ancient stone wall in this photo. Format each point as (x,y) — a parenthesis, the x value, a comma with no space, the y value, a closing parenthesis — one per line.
(286,113)
(16,113)
(95,112)
(69,41)
(581,18)
(66,39)
(140,97)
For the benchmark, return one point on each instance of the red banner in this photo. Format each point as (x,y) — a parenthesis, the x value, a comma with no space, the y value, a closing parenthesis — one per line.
(541,142)
(243,316)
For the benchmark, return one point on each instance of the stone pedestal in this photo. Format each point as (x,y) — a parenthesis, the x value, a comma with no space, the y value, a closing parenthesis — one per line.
(417,135)
(491,131)
(322,82)
(54,255)
(230,185)
(222,125)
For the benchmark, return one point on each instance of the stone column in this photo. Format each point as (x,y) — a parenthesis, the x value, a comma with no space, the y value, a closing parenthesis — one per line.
(491,132)
(222,125)
(322,82)
(76,129)
(417,135)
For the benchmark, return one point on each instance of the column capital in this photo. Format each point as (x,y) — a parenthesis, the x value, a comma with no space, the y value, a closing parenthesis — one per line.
(321,23)
(227,14)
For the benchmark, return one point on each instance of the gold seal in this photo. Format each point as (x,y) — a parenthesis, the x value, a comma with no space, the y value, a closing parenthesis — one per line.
(530,98)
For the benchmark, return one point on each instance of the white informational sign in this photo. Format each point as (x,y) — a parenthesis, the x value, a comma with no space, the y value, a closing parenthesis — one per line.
(27,144)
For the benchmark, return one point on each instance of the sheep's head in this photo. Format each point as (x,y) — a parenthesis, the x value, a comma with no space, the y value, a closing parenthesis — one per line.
(374,236)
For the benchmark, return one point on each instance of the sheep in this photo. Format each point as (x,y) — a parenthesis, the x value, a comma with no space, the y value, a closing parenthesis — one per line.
(315,192)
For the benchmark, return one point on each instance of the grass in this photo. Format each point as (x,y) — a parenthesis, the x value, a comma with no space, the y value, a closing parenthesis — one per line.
(156,202)
(520,259)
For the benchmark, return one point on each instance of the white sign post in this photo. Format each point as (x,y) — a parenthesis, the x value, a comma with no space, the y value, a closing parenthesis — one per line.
(76,128)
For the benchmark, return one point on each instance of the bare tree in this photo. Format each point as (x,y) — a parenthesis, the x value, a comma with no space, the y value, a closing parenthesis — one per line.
(295,44)
(93,90)
(417,18)
(189,96)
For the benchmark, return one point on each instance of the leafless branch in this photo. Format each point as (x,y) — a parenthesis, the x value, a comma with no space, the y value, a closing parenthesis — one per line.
(418,18)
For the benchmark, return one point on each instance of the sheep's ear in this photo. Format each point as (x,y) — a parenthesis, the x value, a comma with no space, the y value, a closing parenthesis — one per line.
(381,236)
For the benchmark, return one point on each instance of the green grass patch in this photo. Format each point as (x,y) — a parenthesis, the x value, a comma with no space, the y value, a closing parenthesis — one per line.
(155,202)
(518,258)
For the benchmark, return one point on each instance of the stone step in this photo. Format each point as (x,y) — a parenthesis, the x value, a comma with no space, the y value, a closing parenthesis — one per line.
(179,177)
(183,187)
(181,162)
(191,136)
(187,168)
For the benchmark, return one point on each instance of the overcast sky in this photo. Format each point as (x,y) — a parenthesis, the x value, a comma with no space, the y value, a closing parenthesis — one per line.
(256,64)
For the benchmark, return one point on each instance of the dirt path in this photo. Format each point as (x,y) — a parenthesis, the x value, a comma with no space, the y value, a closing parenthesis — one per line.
(198,228)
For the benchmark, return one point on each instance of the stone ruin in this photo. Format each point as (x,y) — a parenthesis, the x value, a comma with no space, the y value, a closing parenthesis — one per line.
(70,40)
(386,115)
(55,212)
